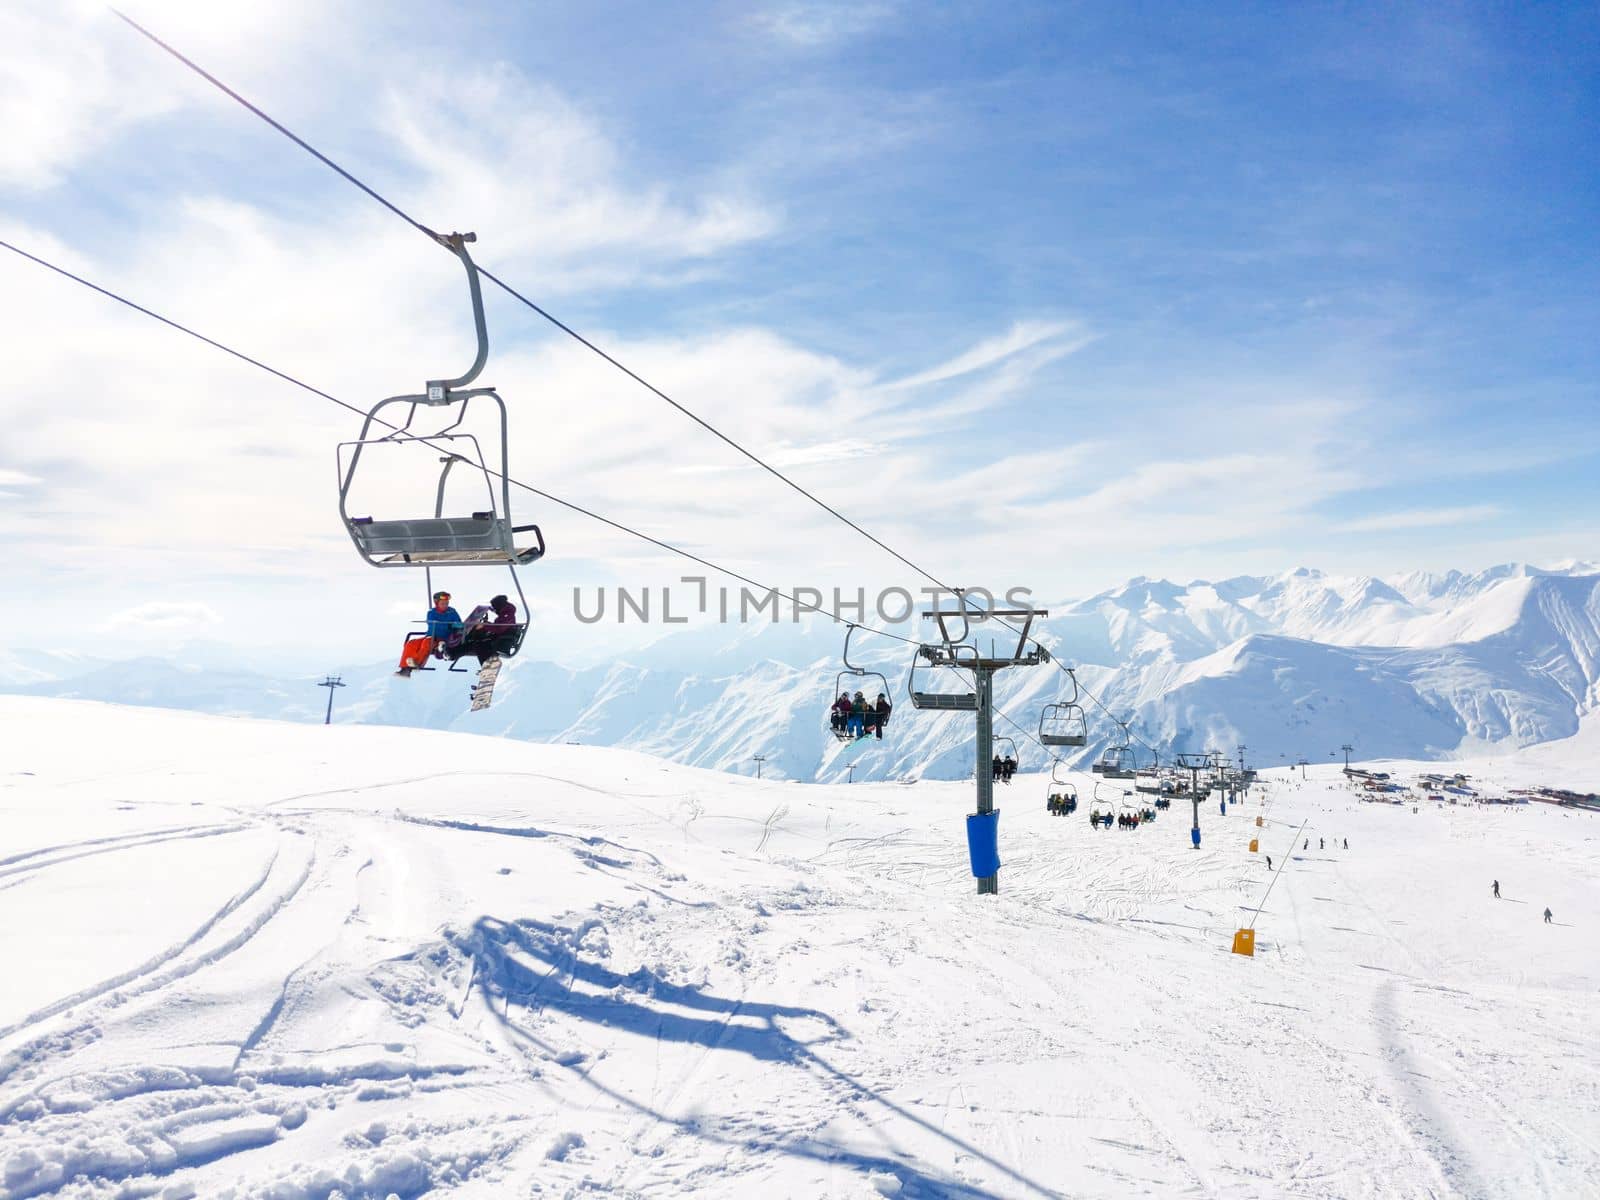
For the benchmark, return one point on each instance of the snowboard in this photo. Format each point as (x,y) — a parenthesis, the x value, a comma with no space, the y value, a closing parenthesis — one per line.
(483,690)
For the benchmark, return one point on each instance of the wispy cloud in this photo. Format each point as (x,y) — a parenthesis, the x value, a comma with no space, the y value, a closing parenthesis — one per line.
(1420,518)
(822,22)
(76,78)
(549,189)
(1064,337)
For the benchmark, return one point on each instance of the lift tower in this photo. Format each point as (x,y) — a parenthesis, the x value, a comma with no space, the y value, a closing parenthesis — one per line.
(958,651)
(1194,764)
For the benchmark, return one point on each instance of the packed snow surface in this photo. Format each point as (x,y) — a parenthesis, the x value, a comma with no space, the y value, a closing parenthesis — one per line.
(247,959)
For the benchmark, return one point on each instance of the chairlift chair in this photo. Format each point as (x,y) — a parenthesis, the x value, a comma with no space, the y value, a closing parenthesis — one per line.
(954,656)
(476,537)
(1063,723)
(1115,762)
(851,671)
(995,739)
(1105,803)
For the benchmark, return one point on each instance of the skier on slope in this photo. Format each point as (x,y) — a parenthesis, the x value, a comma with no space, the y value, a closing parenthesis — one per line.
(1497,889)
(1547,915)
(1269,863)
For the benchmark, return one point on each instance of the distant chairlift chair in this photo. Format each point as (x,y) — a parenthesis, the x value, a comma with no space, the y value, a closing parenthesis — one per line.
(1063,723)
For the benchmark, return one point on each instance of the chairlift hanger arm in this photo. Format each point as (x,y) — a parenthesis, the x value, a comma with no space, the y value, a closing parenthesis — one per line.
(845,656)
(439,389)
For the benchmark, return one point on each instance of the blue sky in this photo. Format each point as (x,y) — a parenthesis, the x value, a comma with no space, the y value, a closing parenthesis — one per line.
(1065,292)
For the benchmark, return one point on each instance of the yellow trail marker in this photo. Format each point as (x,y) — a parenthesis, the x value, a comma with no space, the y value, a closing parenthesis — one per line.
(1255,844)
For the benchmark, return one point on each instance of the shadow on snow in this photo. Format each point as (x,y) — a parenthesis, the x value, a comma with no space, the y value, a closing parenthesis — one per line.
(540,966)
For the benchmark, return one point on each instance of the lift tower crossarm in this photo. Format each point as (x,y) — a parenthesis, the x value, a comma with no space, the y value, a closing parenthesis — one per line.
(1022,657)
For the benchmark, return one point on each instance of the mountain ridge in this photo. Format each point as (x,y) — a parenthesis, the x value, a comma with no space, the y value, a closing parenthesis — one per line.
(1292,665)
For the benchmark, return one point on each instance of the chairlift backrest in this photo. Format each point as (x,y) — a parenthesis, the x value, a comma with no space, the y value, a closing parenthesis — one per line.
(840,687)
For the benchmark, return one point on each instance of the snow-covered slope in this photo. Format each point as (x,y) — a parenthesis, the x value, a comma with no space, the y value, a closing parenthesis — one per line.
(1292,666)
(250,960)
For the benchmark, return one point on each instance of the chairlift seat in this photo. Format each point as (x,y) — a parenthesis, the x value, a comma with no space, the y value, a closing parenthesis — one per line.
(481,539)
(945,701)
(504,642)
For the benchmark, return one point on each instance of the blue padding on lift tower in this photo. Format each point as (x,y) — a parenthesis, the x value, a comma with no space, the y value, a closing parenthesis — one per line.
(983,843)
(1194,835)
(1224,806)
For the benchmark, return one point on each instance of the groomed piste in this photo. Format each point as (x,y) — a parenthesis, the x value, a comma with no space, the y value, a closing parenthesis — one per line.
(250,959)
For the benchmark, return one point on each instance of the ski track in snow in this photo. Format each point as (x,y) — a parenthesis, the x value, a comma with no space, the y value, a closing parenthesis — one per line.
(539,977)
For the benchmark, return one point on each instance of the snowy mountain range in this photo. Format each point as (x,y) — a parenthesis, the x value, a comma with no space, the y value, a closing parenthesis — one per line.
(1294,665)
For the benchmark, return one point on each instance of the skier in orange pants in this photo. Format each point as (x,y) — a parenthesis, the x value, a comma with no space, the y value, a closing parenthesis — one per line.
(442,622)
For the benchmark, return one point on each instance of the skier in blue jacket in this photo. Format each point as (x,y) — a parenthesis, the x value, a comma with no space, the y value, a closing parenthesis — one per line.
(442,619)
(442,622)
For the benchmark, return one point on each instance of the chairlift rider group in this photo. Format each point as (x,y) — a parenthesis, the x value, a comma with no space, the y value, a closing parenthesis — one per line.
(1004,766)
(1061,800)
(482,537)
